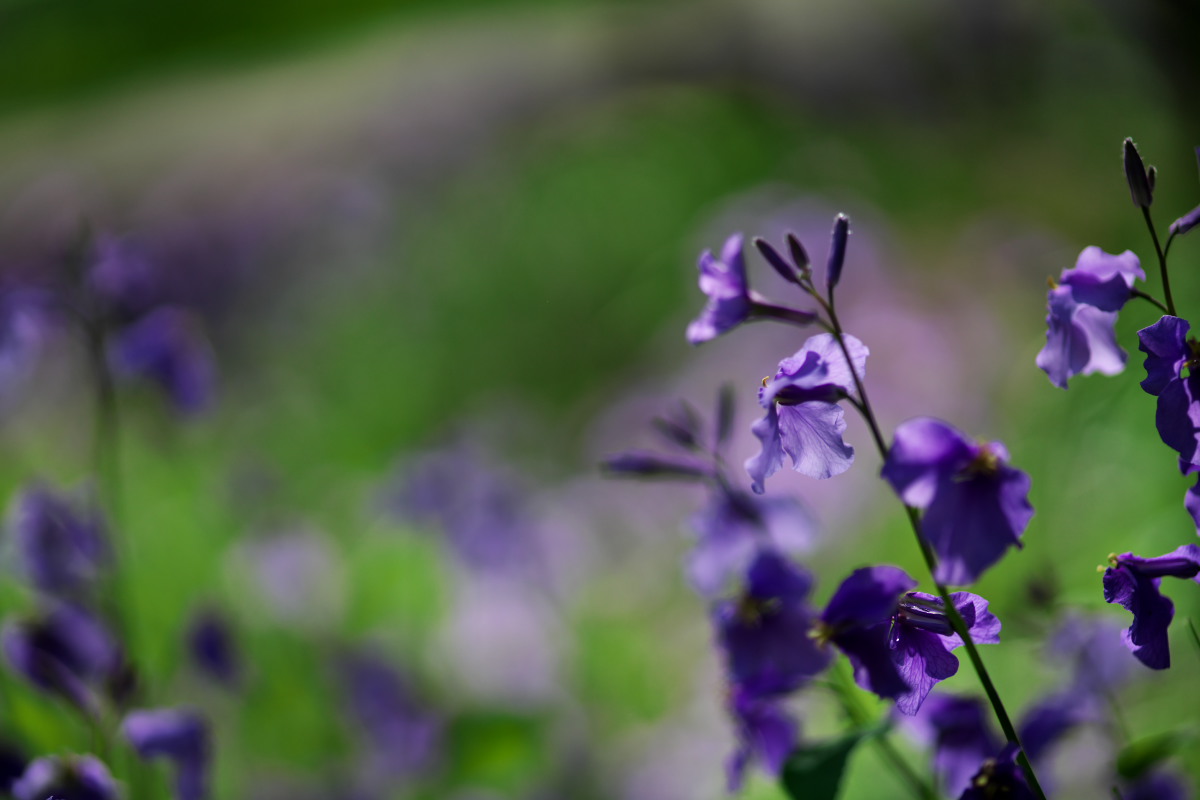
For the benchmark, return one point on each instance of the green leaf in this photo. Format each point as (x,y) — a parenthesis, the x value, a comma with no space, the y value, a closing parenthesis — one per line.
(1136,758)
(814,771)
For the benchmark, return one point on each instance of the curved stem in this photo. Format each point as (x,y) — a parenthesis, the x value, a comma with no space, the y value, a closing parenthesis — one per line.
(1162,262)
(1153,300)
(957,623)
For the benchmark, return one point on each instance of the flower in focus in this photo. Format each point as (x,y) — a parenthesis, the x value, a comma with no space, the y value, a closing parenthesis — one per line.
(732,529)
(64,550)
(1133,583)
(899,641)
(803,419)
(66,778)
(178,735)
(1083,306)
(1169,350)
(975,505)
(765,733)
(729,301)
(764,632)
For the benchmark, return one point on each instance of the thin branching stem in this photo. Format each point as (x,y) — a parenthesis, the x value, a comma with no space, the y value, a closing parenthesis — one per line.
(1162,262)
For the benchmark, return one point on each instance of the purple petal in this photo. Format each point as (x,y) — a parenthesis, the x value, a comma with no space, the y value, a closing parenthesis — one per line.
(924,453)
(724,282)
(1098,329)
(1186,222)
(1177,418)
(867,596)
(167,347)
(1067,349)
(1191,502)
(180,736)
(1152,614)
(827,349)
(1166,349)
(76,777)
(770,458)
(870,653)
(986,626)
(1051,718)
(957,728)
(764,731)
(922,660)
(811,435)
(1096,263)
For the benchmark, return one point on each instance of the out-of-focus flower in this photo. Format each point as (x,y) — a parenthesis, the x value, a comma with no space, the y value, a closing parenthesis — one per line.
(12,765)
(178,735)
(1090,646)
(122,277)
(1133,582)
(212,648)
(1083,306)
(999,777)
(957,731)
(64,550)
(734,526)
(298,574)
(25,324)
(803,419)
(67,652)
(74,777)
(403,734)
(975,505)
(900,641)
(1169,350)
(167,348)
(724,281)
(764,632)
(765,733)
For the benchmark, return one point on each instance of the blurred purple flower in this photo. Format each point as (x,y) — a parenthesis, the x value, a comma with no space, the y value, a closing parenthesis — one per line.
(12,765)
(899,641)
(167,347)
(1133,582)
(999,777)
(403,733)
(765,733)
(729,301)
(212,648)
(803,419)
(25,324)
(764,632)
(1080,337)
(64,551)
(1091,647)
(66,778)
(734,526)
(975,505)
(180,736)
(958,732)
(67,651)
(122,277)
(1169,350)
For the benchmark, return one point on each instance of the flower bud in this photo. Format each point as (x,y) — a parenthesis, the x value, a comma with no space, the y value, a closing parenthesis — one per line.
(1141,188)
(837,250)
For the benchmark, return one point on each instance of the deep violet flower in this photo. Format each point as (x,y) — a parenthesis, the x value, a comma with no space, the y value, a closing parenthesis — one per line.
(999,777)
(1133,583)
(25,324)
(900,641)
(168,348)
(734,526)
(1083,306)
(64,550)
(975,505)
(67,651)
(764,632)
(178,735)
(765,733)
(958,732)
(212,648)
(1169,351)
(74,777)
(803,419)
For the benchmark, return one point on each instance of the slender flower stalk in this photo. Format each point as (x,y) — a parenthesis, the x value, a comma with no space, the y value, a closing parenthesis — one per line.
(1162,262)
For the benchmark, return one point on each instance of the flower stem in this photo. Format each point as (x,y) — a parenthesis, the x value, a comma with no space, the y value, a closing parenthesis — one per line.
(1153,300)
(955,618)
(1162,263)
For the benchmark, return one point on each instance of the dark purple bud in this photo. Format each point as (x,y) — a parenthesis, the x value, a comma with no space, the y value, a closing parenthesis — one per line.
(650,465)
(64,551)
(726,408)
(1140,187)
(180,736)
(1186,222)
(999,777)
(799,255)
(682,427)
(66,778)
(785,270)
(168,348)
(212,648)
(837,250)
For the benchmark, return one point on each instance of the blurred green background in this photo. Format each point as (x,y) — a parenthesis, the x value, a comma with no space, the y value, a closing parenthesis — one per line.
(480,219)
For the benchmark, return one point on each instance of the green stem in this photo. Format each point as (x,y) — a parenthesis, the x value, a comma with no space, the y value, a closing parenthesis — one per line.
(955,618)
(1162,263)
(1153,300)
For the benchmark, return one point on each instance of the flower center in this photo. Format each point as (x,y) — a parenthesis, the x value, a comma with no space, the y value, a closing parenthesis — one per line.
(752,610)
(985,463)
(1193,359)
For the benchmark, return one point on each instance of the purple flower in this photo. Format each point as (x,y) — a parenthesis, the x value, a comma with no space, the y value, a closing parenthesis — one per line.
(67,652)
(1044,723)
(764,732)
(803,419)
(957,730)
(975,504)
(168,348)
(1083,305)
(729,300)
(66,778)
(1133,583)
(999,777)
(25,323)
(64,550)
(1168,351)
(211,646)
(735,526)
(180,736)
(1090,647)
(764,632)
(899,641)
(1190,219)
